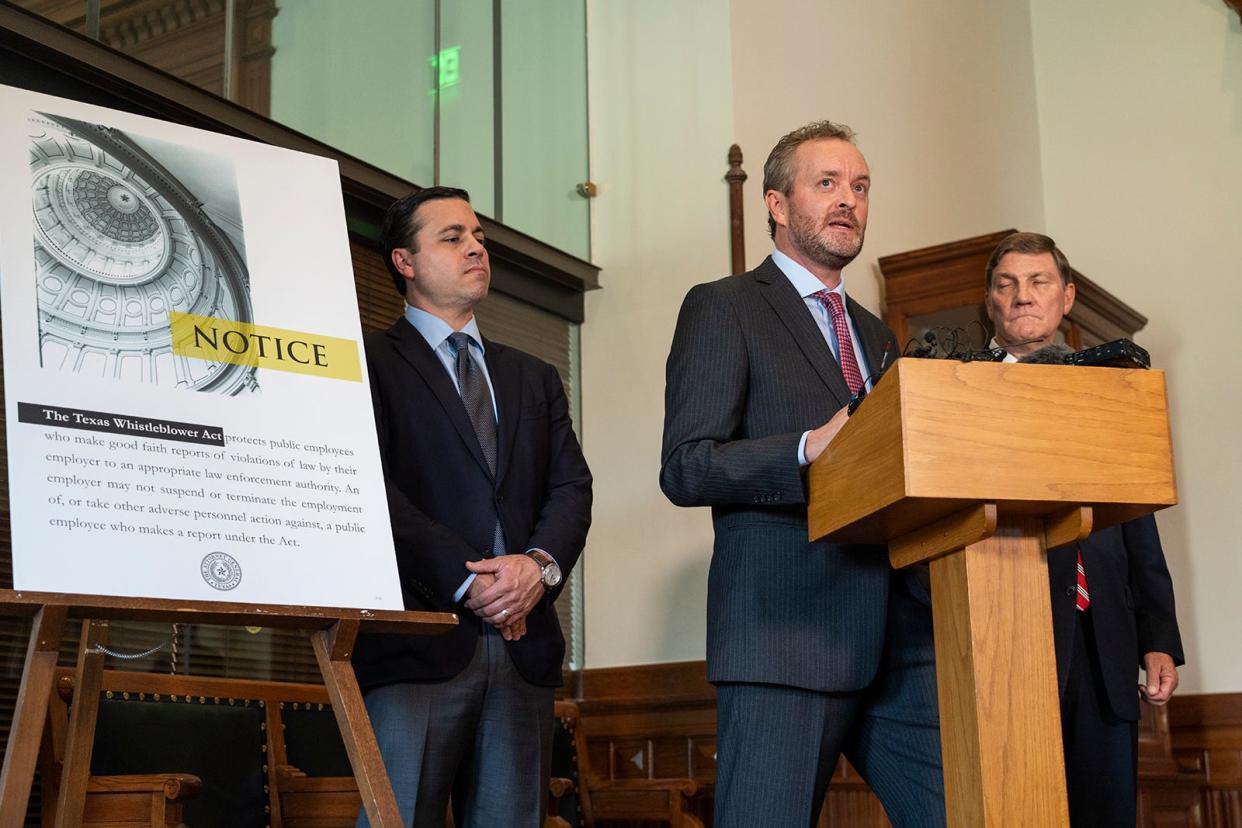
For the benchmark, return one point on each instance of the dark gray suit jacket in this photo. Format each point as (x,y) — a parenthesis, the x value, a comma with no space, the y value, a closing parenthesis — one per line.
(748,373)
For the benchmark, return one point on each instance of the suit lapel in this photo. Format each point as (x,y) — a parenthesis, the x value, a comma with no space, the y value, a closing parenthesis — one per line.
(793,313)
(506,379)
(409,343)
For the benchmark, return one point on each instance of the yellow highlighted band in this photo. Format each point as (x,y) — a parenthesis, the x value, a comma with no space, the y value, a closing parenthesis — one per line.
(243,343)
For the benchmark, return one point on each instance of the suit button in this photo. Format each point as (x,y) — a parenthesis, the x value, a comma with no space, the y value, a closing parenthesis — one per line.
(1070,592)
(500,498)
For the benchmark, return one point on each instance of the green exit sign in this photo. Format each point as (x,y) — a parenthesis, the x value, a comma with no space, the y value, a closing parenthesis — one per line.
(446,68)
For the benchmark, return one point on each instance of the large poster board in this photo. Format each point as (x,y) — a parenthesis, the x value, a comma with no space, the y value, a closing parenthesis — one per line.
(188,411)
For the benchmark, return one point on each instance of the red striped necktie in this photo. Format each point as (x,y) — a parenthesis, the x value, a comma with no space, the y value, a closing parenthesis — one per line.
(845,343)
(1083,598)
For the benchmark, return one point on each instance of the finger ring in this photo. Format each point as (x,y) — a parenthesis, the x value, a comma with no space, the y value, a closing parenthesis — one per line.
(505,613)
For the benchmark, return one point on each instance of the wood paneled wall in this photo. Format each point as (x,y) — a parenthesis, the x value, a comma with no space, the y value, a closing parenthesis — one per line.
(659,721)
(1206,735)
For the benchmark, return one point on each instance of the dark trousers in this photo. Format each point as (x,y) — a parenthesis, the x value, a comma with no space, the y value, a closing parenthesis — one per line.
(484,737)
(777,745)
(1101,750)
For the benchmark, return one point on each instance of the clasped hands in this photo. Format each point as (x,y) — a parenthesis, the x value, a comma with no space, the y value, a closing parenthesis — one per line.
(504,591)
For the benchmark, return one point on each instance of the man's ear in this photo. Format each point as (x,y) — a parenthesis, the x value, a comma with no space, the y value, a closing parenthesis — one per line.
(775,200)
(1070,292)
(401,261)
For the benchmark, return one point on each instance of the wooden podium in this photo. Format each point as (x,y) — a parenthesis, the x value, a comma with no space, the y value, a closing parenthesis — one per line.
(979,468)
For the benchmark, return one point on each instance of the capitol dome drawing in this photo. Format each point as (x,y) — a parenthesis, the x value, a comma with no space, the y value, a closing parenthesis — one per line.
(120,240)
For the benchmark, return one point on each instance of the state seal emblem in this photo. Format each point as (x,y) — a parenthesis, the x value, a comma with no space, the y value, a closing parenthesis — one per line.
(221,571)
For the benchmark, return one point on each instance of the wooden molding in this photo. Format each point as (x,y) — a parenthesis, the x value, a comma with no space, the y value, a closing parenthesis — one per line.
(676,682)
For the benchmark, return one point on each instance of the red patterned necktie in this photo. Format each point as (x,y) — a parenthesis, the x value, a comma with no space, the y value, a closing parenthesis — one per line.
(1083,599)
(845,343)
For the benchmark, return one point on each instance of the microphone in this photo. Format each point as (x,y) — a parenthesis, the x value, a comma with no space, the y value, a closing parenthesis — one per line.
(856,399)
(1053,354)
(928,348)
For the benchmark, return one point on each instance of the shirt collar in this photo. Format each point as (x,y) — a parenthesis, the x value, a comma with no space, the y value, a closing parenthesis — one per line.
(804,281)
(435,330)
(1008,356)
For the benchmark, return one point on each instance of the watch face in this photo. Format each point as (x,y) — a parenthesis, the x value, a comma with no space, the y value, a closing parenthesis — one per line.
(552,575)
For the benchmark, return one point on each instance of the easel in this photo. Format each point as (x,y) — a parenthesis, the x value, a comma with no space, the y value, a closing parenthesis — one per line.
(333,632)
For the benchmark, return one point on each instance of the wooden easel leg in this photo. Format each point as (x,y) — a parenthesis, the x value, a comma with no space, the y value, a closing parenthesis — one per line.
(81,738)
(276,757)
(17,774)
(332,650)
(1000,719)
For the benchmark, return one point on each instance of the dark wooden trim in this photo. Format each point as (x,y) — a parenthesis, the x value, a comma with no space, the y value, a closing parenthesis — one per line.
(1206,735)
(685,680)
(1205,710)
(40,55)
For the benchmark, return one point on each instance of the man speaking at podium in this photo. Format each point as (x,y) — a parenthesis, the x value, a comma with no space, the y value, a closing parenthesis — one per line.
(1112,597)
(815,648)
(490,500)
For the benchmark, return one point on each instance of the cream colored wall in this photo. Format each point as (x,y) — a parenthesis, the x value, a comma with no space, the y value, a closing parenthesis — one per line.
(943,98)
(1140,109)
(661,123)
(941,95)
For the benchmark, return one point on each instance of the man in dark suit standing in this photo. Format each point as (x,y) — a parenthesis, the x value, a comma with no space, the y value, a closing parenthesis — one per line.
(490,500)
(1112,597)
(815,648)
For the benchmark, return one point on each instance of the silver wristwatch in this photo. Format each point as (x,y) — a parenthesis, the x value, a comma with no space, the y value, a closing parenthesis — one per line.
(549,569)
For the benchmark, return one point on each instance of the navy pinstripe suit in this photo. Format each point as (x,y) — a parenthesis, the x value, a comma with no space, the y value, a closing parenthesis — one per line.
(815,648)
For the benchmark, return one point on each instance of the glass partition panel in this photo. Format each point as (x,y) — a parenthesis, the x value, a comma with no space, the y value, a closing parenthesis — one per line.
(543,129)
(466,94)
(360,77)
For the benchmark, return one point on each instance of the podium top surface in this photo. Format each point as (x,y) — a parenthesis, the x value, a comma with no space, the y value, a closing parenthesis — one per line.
(936,436)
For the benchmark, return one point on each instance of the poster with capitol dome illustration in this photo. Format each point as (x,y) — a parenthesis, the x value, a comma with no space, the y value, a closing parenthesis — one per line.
(187,411)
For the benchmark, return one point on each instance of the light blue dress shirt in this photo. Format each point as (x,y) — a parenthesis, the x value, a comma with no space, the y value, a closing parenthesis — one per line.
(436,331)
(807,285)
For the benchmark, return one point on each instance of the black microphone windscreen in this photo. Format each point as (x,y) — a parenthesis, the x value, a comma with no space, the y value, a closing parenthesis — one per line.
(1053,354)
